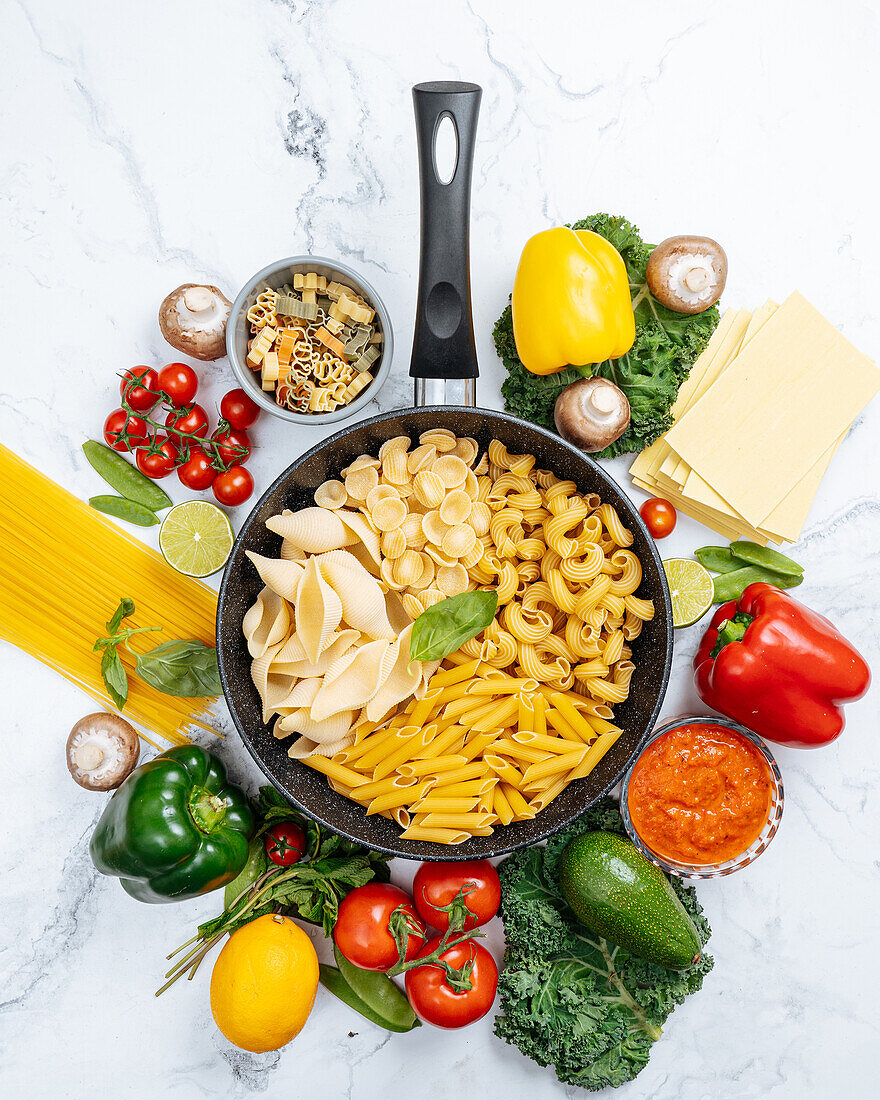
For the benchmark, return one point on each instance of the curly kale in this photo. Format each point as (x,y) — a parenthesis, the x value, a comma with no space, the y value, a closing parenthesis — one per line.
(650,373)
(569,998)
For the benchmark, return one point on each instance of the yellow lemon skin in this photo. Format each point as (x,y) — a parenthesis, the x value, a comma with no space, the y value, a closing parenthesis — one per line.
(264,983)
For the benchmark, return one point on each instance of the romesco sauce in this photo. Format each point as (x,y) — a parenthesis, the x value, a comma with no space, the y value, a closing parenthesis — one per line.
(700,793)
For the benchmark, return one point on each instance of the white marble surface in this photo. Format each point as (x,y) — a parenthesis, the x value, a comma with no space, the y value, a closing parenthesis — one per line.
(144,145)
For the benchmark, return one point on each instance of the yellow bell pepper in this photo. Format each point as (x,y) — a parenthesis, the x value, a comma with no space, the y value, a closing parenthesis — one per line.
(571,301)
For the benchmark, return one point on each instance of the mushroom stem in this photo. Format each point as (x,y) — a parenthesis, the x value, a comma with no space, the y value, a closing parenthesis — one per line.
(198,300)
(697,279)
(603,399)
(88,757)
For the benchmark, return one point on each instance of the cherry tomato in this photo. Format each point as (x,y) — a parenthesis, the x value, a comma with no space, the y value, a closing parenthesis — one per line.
(159,459)
(142,398)
(180,383)
(193,420)
(123,432)
(238,409)
(285,843)
(438,883)
(233,486)
(362,933)
(436,1002)
(230,441)
(659,517)
(197,472)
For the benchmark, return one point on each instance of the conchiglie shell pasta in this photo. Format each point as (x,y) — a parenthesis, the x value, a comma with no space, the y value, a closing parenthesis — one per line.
(318,610)
(351,681)
(314,530)
(266,623)
(278,575)
(360,598)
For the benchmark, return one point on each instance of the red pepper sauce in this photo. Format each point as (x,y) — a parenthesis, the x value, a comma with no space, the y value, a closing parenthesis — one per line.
(699,794)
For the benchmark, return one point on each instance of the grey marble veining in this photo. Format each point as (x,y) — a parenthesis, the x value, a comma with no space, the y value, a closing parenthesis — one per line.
(148,145)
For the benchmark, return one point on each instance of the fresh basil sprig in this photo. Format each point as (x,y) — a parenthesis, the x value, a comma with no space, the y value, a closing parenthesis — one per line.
(449,623)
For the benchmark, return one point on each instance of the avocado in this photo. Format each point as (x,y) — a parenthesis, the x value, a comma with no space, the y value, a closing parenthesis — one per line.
(623,897)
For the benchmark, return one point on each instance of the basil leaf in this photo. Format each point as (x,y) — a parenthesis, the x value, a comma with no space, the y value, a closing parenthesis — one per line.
(184,667)
(450,623)
(115,678)
(126,608)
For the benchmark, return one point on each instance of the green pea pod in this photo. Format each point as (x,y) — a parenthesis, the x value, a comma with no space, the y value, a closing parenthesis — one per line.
(765,558)
(125,478)
(256,865)
(717,558)
(387,1004)
(730,586)
(129,510)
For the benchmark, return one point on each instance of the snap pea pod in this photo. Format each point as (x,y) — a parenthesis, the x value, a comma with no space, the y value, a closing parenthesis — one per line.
(373,995)
(125,478)
(730,586)
(753,554)
(717,558)
(129,510)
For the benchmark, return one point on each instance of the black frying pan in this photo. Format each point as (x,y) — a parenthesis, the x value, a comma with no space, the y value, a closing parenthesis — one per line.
(443,350)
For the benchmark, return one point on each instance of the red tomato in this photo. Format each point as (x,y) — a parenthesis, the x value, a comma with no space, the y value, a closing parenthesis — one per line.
(238,409)
(233,486)
(159,459)
(285,843)
(143,397)
(193,420)
(180,383)
(125,433)
(230,441)
(197,472)
(362,933)
(659,517)
(436,1002)
(438,883)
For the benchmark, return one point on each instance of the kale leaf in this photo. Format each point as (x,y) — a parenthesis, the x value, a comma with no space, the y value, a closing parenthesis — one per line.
(650,373)
(569,998)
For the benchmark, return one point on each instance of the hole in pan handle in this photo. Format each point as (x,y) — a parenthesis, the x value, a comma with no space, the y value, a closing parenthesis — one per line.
(444,355)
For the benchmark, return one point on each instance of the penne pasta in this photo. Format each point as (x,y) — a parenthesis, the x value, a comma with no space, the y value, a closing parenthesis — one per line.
(432,765)
(553,766)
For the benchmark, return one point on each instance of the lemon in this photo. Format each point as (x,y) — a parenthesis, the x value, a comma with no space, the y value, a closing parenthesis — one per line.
(196,538)
(264,983)
(691,589)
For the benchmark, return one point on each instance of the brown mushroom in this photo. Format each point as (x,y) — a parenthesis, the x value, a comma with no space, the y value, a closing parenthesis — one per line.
(687,274)
(193,320)
(591,413)
(102,751)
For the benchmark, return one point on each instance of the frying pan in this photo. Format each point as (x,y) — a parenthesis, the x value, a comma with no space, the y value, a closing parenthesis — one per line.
(443,359)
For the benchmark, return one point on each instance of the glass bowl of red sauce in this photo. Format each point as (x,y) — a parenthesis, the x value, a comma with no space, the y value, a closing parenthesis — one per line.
(704,798)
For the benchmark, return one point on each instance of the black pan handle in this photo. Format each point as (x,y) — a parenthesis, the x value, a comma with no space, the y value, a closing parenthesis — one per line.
(443,341)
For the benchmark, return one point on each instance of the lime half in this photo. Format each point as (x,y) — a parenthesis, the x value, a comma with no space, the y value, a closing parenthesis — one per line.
(691,588)
(196,538)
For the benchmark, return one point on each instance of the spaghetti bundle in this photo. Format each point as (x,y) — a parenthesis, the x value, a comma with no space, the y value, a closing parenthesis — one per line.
(63,571)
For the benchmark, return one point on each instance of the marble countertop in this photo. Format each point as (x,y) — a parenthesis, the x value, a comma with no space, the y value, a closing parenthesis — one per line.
(148,145)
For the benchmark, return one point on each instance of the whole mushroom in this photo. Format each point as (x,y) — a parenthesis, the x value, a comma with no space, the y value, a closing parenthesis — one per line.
(102,751)
(193,320)
(687,274)
(591,413)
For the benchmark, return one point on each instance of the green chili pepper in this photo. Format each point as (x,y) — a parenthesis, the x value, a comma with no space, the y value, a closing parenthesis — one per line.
(762,556)
(717,558)
(125,478)
(372,994)
(129,510)
(730,586)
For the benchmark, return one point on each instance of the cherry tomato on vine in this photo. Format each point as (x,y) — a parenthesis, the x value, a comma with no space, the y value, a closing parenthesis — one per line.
(659,516)
(180,383)
(159,459)
(362,933)
(142,397)
(435,1001)
(197,472)
(238,409)
(436,884)
(193,420)
(233,486)
(285,843)
(230,441)
(123,432)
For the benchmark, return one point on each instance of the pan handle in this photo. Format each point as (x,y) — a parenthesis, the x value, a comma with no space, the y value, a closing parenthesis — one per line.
(444,357)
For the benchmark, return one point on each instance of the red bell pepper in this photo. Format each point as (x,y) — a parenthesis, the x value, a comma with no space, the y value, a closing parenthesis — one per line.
(778,668)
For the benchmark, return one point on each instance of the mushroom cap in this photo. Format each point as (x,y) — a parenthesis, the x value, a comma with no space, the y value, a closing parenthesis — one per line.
(193,320)
(591,413)
(687,274)
(102,751)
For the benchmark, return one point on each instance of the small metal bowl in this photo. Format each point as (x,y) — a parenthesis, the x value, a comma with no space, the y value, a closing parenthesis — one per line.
(709,870)
(270,278)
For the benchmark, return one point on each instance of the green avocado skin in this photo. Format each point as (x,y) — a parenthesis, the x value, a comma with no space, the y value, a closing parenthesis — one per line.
(624,898)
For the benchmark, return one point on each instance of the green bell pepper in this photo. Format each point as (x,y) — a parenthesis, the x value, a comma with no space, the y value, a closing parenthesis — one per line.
(175,828)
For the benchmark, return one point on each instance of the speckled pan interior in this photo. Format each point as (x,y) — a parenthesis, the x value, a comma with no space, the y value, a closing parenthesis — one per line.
(307,789)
